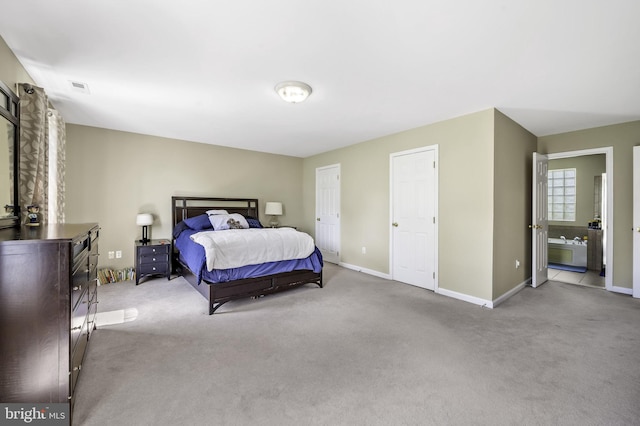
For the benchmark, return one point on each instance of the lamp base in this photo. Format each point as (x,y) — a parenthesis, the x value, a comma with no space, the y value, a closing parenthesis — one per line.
(274,222)
(145,235)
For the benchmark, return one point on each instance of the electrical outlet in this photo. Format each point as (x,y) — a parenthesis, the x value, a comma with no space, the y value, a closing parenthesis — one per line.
(119,254)
(111,255)
(364,250)
(517,263)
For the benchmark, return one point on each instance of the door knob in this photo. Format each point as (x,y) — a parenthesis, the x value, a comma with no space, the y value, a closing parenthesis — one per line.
(395,224)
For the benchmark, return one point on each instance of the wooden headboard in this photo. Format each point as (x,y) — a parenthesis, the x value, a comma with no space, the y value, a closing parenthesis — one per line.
(186,207)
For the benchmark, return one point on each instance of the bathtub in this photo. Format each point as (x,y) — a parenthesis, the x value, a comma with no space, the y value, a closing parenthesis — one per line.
(570,252)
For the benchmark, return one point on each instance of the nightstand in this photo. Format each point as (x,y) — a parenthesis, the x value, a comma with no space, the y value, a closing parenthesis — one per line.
(153,258)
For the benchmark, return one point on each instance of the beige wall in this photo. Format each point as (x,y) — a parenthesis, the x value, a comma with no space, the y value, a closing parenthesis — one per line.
(465,202)
(111,176)
(622,137)
(11,71)
(514,147)
(587,167)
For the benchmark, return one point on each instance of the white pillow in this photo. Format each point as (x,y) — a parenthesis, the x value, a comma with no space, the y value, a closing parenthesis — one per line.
(220,222)
(210,212)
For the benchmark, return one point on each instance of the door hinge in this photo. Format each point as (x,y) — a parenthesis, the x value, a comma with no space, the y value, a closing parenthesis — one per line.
(434,219)
(434,164)
(434,275)
(337,177)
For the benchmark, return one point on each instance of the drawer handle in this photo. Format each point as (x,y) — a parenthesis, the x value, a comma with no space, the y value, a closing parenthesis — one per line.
(76,288)
(76,328)
(154,268)
(154,259)
(77,368)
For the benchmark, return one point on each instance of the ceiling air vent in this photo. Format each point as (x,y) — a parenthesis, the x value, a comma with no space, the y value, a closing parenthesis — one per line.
(78,86)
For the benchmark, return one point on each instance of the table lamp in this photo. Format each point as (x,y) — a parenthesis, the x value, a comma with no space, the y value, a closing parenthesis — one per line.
(274,209)
(144,220)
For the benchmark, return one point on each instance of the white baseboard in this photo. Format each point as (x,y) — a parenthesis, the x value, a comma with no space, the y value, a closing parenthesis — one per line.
(465,297)
(511,292)
(365,270)
(449,293)
(623,290)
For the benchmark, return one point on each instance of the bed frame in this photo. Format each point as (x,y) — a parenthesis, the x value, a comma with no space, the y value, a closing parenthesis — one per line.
(220,293)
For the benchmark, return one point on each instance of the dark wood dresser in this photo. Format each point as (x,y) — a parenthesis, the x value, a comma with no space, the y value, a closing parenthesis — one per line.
(48,306)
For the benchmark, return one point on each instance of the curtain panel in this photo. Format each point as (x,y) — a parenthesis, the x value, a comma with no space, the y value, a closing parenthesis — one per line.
(41,134)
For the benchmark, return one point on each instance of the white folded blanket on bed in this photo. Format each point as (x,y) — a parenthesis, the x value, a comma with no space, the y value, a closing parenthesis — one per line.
(233,248)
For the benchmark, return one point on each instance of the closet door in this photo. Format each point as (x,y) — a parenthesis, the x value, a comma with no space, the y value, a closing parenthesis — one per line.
(636,221)
(328,212)
(413,217)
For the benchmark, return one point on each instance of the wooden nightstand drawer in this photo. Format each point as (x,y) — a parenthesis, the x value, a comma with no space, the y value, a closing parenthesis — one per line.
(151,250)
(152,268)
(153,258)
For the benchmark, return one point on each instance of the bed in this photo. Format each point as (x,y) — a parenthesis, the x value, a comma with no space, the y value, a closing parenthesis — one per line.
(220,286)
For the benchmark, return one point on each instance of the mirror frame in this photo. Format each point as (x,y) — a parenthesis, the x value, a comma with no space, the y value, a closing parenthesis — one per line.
(10,110)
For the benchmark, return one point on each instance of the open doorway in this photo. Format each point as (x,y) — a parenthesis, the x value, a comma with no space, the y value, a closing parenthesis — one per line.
(579,248)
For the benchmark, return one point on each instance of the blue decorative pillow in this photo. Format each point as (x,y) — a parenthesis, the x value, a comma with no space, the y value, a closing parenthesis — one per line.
(181,226)
(253,222)
(199,223)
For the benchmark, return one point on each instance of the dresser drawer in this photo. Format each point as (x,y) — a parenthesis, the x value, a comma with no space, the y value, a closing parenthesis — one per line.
(77,357)
(79,318)
(79,281)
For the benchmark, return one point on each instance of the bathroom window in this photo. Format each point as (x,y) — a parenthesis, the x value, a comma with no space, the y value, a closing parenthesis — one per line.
(562,195)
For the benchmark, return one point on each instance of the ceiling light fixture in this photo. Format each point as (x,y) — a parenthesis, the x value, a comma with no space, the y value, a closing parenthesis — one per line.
(293,91)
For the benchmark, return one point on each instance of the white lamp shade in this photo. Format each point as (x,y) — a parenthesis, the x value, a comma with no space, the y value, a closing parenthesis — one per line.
(273,209)
(144,219)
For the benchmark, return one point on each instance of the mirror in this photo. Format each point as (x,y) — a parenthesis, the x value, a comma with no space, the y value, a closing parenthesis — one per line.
(9,133)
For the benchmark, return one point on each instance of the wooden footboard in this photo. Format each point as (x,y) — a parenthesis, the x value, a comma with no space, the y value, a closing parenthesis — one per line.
(220,293)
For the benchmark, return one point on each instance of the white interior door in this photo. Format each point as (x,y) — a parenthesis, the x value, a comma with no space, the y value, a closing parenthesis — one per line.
(636,221)
(540,220)
(413,216)
(328,212)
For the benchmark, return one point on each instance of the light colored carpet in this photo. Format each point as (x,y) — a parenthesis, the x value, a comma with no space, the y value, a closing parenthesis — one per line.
(361,351)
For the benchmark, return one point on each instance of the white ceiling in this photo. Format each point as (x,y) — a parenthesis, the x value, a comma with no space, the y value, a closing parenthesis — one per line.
(204,70)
